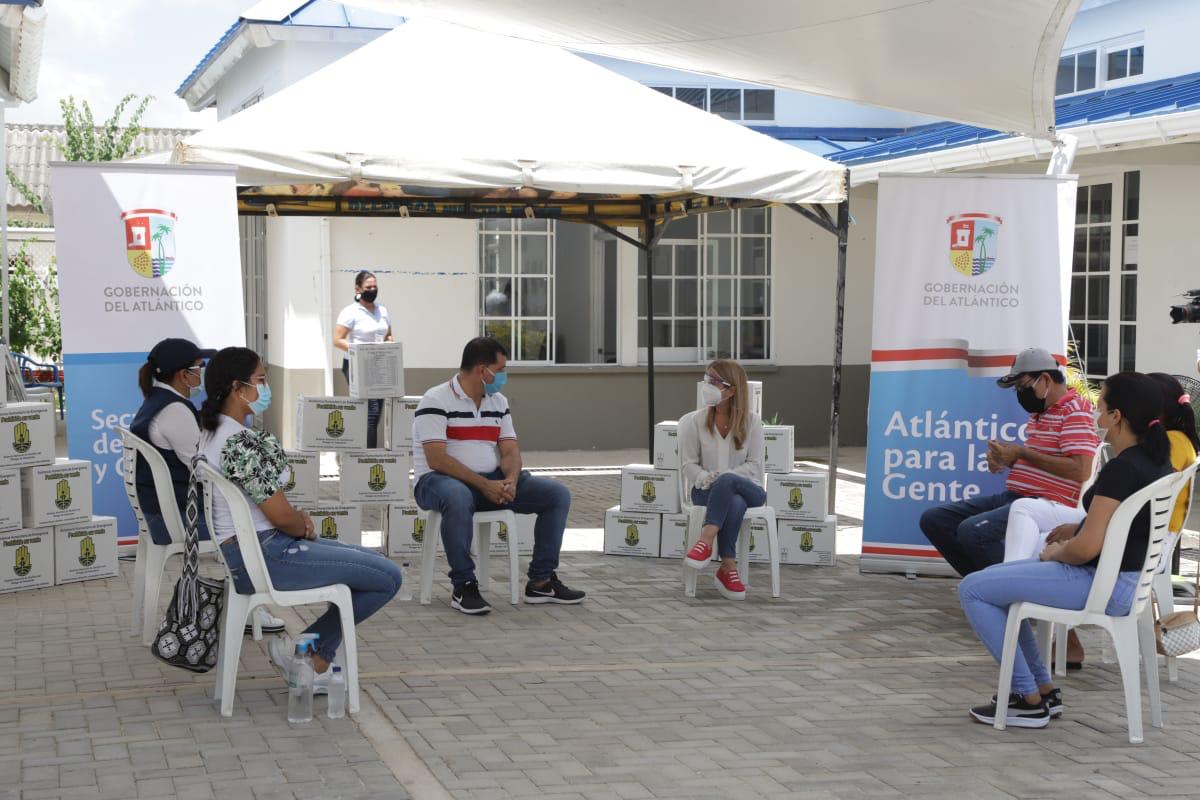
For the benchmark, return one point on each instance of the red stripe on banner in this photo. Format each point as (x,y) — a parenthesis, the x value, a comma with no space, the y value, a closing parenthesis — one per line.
(139,211)
(944,353)
(474,433)
(976,215)
(880,550)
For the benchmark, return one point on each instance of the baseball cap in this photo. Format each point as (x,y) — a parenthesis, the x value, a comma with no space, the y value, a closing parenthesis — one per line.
(171,355)
(1033,359)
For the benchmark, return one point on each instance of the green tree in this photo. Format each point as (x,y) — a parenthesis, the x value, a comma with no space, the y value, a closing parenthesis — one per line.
(981,240)
(35,318)
(159,235)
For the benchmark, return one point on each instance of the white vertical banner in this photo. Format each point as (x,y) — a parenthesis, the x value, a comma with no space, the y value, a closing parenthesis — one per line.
(969,271)
(145,251)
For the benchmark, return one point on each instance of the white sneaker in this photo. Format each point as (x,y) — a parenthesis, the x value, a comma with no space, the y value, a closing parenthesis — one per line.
(268,623)
(282,649)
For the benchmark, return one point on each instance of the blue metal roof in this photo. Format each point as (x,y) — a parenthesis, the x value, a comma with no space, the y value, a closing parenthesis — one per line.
(312,13)
(1140,100)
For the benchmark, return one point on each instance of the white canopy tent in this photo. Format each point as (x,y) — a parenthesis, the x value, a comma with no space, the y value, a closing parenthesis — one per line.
(990,63)
(414,124)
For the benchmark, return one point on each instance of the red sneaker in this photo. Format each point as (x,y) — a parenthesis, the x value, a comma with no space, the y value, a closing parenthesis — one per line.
(699,556)
(729,584)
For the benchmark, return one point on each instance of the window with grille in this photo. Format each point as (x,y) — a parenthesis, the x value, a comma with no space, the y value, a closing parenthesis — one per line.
(516,286)
(742,105)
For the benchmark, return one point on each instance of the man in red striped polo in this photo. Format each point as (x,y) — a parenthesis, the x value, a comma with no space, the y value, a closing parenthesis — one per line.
(466,459)
(1053,464)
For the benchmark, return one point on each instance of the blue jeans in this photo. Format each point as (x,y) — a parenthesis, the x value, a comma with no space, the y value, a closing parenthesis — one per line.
(725,504)
(160,535)
(986,595)
(303,564)
(457,502)
(970,534)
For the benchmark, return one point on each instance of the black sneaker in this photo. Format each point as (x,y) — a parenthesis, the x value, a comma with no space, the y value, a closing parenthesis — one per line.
(1054,701)
(555,591)
(466,598)
(1020,713)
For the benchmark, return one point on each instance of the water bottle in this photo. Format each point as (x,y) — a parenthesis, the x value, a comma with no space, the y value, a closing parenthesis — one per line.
(300,686)
(405,592)
(337,693)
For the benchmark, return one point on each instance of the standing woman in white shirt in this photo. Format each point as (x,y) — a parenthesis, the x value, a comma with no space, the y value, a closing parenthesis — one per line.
(721,447)
(364,320)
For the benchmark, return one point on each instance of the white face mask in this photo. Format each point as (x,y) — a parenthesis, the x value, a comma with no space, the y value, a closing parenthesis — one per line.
(1101,431)
(709,394)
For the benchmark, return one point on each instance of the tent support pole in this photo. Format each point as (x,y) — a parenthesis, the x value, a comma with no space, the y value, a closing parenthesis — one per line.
(652,233)
(835,410)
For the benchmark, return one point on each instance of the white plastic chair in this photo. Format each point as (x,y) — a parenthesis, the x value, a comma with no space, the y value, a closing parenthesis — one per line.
(1164,593)
(764,514)
(152,558)
(483,522)
(1128,632)
(239,607)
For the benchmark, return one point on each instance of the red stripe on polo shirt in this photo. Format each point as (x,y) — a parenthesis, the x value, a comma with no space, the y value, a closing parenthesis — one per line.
(475,433)
(1066,429)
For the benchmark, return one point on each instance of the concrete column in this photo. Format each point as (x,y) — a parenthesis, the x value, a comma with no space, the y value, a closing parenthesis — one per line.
(627,301)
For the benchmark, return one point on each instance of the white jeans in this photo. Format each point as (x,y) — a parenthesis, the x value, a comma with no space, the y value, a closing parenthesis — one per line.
(1030,521)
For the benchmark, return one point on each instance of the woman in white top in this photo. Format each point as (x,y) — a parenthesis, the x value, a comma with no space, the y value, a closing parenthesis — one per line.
(721,447)
(364,320)
(296,558)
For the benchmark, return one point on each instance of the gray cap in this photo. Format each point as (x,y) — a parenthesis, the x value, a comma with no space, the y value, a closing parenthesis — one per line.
(1033,359)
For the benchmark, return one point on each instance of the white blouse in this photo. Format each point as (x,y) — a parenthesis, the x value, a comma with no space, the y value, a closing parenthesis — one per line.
(707,454)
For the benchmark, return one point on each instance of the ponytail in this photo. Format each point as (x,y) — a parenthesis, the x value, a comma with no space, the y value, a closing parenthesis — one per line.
(229,366)
(146,378)
(1139,400)
(1177,412)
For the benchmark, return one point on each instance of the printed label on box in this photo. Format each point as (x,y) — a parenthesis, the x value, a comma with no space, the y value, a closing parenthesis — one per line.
(780,448)
(644,488)
(666,445)
(374,476)
(673,539)
(798,495)
(26,559)
(525,523)
(376,369)
(26,435)
(57,494)
(332,423)
(403,411)
(813,543)
(303,482)
(407,526)
(10,500)
(632,534)
(338,523)
(86,551)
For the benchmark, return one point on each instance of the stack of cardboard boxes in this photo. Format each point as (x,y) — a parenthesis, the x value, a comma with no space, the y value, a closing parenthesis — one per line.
(48,535)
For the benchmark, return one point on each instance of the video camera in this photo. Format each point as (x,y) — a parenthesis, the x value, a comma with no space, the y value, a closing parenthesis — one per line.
(1189,312)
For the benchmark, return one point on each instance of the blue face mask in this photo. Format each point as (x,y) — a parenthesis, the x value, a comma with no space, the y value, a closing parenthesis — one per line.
(260,406)
(498,381)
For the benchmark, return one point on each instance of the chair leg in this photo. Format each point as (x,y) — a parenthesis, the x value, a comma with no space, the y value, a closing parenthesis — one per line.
(350,646)
(1164,594)
(1062,632)
(773,547)
(433,529)
(514,561)
(139,587)
(743,552)
(690,575)
(483,540)
(156,564)
(1043,634)
(237,609)
(1125,640)
(1007,657)
(1145,628)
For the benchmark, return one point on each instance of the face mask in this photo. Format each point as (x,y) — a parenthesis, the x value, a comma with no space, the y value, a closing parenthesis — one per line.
(498,381)
(260,405)
(198,389)
(369,295)
(1029,400)
(1101,431)
(709,394)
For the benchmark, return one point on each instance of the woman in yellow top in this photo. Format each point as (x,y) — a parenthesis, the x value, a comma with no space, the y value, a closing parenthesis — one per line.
(1180,423)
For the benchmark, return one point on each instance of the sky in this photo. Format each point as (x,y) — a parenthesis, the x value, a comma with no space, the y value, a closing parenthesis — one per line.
(100,50)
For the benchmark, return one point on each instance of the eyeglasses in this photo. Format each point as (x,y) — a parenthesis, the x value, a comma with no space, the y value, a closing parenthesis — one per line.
(715,381)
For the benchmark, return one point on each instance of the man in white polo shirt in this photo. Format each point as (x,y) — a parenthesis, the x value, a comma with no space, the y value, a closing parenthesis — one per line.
(466,459)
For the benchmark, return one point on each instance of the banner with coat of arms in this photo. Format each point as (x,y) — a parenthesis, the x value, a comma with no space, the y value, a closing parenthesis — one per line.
(969,271)
(145,251)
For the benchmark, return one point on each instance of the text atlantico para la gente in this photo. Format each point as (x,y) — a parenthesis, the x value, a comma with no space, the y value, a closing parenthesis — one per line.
(897,461)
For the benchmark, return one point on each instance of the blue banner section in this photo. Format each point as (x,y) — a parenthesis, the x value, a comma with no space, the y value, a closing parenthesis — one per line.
(928,446)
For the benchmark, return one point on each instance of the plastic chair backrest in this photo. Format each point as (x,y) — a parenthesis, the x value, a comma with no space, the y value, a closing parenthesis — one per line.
(1160,495)
(164,486)
(243,524)
(129,478)
(1097,461)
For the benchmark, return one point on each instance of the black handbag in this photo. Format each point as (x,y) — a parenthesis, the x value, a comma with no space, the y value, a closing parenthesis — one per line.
(189,635)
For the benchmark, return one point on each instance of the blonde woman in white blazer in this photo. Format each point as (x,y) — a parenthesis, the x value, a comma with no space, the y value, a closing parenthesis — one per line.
(721,447)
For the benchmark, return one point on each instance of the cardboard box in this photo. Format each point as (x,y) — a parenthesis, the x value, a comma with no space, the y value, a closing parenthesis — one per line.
(375,476)
(632,534)
(303,486)
(798,495)
(331,423)
(648,489)
(10,499)
(401,413)
(525,523)
(339,523)
(406,526)
(26,559)
(673,536)
(666,445)
(376,370)
(813,543)
(85,551)
(56,494)
(756,392)
(26,434)
(779,442)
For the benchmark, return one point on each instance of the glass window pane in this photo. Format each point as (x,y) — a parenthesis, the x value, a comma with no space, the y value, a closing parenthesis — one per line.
(1118,64)
(755,256)
(1097,350)
(641,333)
(662,259)
(500,330)
(753,339)
(662,297)
(687,333)
(687,297)
(683,228)
(1130,249)
(1081,204)
(1065,82)
(535,255)
(662,333)
(756,220)
(495,253)
(642,296)
(533,224)
(1085,73)
(753,300)
(687,260)
(533,340)
(1101,206)
(720,222)
(720,257)
(1099,240)
(1097,297)
(496,296)
(1136,57)
(760,104)
(727,103)
(497,224)
(667,90)
(1079,262)
(1133,194)
(693,97)
(533,298)
(1078,295)
(1129,298)
(724,307)
(720,339)
(1128,348)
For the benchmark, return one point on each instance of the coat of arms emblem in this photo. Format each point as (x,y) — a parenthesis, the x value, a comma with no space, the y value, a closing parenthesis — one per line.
(150,241)
(973,242)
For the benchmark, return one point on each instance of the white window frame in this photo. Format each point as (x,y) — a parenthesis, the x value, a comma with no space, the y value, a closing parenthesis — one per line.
(1076,51)
(709,89)
(519,237)
(1102,49)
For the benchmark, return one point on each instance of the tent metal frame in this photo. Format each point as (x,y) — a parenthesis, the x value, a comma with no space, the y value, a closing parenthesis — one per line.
(650,215)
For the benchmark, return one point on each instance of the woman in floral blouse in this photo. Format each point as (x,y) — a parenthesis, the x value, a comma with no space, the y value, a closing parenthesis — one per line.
(296,558)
